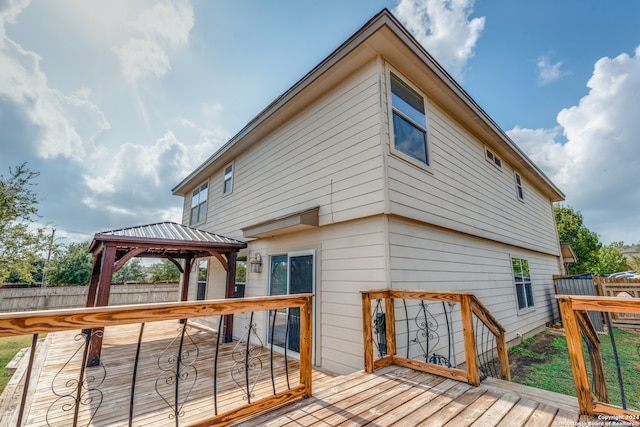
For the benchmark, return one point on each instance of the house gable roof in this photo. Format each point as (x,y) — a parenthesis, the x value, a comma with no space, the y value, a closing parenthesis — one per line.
(382,36)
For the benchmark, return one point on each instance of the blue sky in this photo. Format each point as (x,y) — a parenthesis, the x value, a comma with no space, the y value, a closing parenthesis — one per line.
(114,102)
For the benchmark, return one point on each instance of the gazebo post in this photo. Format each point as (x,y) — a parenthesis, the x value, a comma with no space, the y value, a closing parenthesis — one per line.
(95,276)
(102,300)
(229,293)
(186,277)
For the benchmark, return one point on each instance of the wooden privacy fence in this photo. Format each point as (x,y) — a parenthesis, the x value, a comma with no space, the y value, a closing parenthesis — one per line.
(170,374)
(623,288)
(425,327)
(578,327)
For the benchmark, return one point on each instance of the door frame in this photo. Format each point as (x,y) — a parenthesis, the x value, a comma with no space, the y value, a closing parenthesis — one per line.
(293,254)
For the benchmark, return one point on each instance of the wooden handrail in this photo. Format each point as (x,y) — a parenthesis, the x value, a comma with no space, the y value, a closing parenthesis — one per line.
(39,322)
(469,306)
(578,325)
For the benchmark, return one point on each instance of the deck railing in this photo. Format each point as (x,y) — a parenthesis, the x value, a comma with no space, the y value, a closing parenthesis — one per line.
(420,330)
(594,397)
(167,381)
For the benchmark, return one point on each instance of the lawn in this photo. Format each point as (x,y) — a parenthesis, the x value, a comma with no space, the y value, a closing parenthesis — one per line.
(9,346)
(543,362)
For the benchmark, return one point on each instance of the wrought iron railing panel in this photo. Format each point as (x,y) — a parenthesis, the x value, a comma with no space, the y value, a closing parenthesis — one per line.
(486,350)
(174,372)
(75,385)
(447,333)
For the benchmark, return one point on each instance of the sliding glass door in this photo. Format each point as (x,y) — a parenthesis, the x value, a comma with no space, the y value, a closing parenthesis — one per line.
(292,273)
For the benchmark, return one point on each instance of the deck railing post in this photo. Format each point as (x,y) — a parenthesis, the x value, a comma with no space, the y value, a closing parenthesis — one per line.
(390,322)
(367,332)
(578,364)
(473,373)
(306,339)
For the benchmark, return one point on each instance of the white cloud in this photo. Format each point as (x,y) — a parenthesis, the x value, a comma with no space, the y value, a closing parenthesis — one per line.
(164,24)
(10,12)
(67,123)
(443,27)
(136,179)
(594,162)
(548,72)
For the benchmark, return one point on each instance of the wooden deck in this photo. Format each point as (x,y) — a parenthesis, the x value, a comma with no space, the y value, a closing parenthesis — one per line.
(108,401)
(398,396)
(390,396)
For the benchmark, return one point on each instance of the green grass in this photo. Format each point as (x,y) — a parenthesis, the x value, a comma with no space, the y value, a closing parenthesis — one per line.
(553,372)
(9,346)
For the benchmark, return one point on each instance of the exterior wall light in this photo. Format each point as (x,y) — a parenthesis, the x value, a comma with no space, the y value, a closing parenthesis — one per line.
(256,263)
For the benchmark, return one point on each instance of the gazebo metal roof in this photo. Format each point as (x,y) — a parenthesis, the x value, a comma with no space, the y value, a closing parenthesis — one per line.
(166,239)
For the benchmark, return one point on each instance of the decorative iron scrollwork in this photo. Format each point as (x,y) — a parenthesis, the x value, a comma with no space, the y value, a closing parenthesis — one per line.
(379,329)
(247,366)
(486,350)
(75,390)
(177,363)
(427,336)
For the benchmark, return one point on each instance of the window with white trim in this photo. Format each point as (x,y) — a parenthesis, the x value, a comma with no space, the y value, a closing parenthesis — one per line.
(199,204)
(493,159)
(519,190)
(228,179)
(409,121)
(522,278)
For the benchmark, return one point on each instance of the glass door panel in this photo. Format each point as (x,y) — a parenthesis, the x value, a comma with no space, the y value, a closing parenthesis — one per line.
(290,274)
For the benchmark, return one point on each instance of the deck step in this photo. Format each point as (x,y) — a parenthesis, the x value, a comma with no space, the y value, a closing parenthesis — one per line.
(12,366)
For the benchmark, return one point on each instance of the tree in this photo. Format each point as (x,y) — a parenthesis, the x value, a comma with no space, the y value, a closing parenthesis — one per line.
(610,259)
(585,243)
(20,243)
(163,271)
(71,266)
(634,260)
(132,271)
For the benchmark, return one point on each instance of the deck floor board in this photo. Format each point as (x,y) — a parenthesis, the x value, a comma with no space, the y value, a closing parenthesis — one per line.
(391,396)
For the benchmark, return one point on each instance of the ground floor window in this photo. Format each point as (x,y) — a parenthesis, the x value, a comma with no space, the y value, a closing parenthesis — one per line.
(292,273)
(522,278)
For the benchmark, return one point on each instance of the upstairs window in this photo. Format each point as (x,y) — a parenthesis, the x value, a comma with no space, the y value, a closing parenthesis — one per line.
(409,121)
(495,160)
(522,278)
(228,179)
(199,204)
(519,190)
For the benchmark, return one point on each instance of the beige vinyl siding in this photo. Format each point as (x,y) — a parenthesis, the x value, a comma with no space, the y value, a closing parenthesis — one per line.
(423,257)
(464,192)
(328,156)
(349,257)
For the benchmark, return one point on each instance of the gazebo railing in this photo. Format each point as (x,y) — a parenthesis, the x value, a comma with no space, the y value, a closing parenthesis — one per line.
(183,371)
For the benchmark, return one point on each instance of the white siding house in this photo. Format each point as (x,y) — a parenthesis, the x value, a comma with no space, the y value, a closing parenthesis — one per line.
(377,170)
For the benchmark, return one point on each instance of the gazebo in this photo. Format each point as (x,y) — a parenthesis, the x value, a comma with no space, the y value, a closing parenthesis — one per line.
(112,249)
